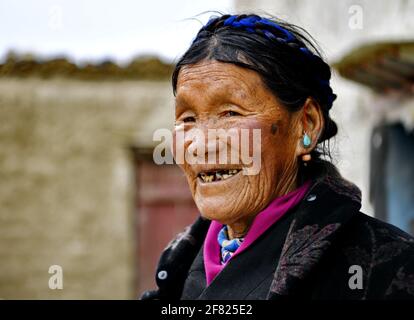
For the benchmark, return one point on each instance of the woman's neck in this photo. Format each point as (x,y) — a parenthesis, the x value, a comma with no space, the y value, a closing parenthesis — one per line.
(240,228)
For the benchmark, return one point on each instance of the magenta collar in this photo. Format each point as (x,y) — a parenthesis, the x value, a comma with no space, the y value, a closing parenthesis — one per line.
(264,219)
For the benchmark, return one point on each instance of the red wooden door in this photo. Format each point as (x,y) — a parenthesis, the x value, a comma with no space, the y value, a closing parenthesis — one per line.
(164,207)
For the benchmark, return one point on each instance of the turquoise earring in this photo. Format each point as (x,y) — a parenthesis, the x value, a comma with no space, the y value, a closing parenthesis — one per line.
(306,140)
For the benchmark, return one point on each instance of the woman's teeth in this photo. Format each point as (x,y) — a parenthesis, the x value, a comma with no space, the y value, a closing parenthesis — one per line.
(218,175)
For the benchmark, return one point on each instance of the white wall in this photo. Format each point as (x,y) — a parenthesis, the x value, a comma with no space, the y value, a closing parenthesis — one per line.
(67,183)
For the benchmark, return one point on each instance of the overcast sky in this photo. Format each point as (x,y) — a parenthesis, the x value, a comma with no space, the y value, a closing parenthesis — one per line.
(86,30)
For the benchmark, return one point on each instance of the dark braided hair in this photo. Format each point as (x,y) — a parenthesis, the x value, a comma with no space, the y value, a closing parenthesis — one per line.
(281,53)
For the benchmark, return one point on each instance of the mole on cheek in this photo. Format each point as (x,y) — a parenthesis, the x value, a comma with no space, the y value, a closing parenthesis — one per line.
(274,128)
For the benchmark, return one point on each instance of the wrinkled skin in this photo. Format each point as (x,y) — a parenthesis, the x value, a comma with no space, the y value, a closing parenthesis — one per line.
(213,94)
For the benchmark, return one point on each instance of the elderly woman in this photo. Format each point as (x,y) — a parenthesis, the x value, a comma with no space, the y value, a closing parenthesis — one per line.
(295,228)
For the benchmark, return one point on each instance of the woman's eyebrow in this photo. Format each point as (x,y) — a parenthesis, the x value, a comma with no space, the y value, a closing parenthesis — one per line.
(181,101)
(181,105)
(239,98)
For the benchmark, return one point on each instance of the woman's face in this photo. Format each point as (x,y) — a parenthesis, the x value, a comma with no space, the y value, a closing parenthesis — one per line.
(216,95)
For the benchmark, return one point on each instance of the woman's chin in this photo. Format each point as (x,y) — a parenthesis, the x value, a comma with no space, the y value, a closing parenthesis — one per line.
(217,209)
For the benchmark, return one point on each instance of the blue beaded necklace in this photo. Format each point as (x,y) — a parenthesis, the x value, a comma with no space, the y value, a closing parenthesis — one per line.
(228,247)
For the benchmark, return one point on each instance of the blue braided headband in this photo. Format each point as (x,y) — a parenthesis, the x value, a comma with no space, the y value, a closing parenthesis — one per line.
(251,22)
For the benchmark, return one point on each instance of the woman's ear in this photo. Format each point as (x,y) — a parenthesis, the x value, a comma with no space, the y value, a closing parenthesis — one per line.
(311,122)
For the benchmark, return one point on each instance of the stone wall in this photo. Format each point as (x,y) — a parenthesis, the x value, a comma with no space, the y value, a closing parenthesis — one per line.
(66,183)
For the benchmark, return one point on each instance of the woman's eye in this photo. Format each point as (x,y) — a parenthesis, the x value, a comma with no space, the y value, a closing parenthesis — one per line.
(232,114)
(189,119)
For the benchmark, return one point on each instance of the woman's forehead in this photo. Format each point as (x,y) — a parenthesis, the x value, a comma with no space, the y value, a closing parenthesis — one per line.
(218,79)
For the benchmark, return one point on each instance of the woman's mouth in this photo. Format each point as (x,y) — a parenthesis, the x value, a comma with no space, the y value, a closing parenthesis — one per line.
(218,175)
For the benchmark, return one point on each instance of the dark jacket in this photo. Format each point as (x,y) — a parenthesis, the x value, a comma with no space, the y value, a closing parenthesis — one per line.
(324,248)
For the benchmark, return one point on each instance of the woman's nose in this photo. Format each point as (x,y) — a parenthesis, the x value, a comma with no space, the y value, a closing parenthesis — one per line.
(202,144)
(213,146)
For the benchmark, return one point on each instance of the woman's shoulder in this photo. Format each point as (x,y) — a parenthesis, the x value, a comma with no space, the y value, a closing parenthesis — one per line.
(385,253)
(382,232)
